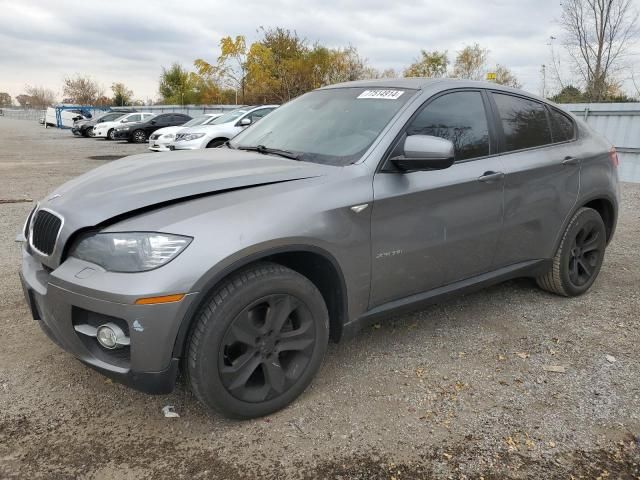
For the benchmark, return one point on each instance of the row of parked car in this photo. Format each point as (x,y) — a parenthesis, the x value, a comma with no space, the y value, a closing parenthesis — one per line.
(171,131)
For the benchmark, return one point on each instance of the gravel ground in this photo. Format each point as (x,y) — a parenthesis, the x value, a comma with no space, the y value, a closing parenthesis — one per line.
(458,390)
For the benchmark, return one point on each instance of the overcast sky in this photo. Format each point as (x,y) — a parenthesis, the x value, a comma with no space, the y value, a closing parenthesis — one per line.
(118,41)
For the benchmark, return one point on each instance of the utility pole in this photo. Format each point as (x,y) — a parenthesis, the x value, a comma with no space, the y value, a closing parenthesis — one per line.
(543,71)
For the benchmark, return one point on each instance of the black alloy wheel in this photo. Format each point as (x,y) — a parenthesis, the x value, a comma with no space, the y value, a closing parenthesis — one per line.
(266,348)
(139,136)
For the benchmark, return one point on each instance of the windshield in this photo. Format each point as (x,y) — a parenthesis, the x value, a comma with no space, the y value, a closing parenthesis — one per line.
(333,126)
(109,117)
(203,120)
(229,117)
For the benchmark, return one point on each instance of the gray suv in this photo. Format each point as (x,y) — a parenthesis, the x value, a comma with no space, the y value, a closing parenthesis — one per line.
(237,265)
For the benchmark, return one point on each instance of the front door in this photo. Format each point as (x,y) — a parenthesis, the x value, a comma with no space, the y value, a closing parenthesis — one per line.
(432,228)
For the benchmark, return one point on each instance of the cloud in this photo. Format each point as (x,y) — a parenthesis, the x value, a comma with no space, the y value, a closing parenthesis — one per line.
(118,41)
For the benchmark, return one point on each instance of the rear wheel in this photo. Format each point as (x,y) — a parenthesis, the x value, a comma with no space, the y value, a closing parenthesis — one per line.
(111,134)
(579,257)
(89,132)
(258,342)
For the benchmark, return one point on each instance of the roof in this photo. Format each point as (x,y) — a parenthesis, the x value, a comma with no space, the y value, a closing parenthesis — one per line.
(419,83)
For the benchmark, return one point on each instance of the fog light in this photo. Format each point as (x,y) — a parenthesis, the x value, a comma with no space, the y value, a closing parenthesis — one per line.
(111,336)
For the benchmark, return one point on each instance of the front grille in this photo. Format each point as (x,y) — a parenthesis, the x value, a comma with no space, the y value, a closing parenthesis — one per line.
(44,231)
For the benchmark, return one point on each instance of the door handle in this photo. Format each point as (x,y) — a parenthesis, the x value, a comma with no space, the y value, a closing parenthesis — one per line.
(491,176)
(569,160)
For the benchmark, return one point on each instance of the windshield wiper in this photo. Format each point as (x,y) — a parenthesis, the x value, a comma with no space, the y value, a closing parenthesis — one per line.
(271,151)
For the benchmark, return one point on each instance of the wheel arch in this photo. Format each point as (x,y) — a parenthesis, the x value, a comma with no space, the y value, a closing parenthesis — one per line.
(315,263)
(217,139)
(604,204)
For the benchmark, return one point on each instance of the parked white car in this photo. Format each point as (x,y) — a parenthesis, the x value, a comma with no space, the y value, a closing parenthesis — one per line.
(220,130)
(160,139)
(107,129)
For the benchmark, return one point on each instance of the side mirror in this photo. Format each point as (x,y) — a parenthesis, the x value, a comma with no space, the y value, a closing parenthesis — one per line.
(425,152)
(124,120)
(246,121)
(153,122)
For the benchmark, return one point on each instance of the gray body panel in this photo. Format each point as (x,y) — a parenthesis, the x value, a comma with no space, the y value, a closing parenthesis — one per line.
(421,234)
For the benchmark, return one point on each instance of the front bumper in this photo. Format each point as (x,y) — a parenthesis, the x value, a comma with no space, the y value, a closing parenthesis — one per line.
(189,145)
(99,133)
(159,144)
(146,365)
(76,131)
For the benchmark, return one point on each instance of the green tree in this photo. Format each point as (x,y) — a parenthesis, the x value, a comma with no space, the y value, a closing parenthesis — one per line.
(471,62)
(431,65)
(178,86)
(569,94)
(121,94)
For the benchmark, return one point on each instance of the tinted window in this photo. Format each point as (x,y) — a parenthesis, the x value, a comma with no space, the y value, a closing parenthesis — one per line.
(524,122)
(134,118)
(459,117)
(258,114)
(562,126)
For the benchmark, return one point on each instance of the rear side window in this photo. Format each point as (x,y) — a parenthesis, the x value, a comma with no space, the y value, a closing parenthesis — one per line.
(134,118)
(562,126)
(459,117)
(524,122)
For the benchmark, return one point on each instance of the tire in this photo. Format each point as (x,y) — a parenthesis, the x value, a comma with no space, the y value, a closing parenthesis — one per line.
(111,134)
(238,362)
(579,258)
(89,132)
(217,142)
(138,136)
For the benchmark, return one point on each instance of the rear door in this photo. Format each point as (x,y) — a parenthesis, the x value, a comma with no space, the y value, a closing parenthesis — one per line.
(435,227)
(542,176)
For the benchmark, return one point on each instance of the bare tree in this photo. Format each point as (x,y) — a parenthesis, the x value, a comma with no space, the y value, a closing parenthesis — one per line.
(40,97)
(82,90)
(504,76)
(597,35)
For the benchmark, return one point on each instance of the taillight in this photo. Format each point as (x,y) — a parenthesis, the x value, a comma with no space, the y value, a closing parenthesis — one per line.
(613,156)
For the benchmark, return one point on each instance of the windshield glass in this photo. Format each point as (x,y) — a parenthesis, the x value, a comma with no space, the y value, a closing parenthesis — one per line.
(333,126)
(204,119)
(229,117)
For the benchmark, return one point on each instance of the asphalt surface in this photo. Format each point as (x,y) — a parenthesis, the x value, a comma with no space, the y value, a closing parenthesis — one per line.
(459,390)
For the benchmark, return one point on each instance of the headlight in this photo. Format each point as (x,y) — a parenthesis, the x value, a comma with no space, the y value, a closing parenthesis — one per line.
(169,135)
(190,136)
(130,251)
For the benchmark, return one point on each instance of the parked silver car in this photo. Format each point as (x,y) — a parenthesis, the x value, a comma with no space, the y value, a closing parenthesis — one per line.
(238,264)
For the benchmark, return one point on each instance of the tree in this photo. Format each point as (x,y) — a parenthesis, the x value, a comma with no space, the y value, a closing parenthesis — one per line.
(40,97)
(505,77)
(178,86)
(82,90)
(121,94)
(23,100)
(471,62)
(597,35)
(231,65)
(432,65)
(569,94)
(5,99)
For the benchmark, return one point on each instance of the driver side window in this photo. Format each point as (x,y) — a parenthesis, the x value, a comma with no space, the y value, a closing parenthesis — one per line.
(459,117)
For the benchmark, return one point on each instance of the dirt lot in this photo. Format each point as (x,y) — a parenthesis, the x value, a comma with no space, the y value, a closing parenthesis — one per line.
(458,390)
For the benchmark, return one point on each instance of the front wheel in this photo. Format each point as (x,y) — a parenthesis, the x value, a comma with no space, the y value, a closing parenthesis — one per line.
(139,136)
(579,257)
(89,132)
(258,342)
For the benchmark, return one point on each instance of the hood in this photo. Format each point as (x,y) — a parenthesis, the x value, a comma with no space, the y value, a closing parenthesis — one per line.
(148,180)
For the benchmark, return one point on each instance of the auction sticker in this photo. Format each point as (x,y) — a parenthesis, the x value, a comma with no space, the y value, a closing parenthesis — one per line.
(381,94)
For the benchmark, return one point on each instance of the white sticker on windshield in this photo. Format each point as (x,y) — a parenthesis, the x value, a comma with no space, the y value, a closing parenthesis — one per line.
(381,94)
